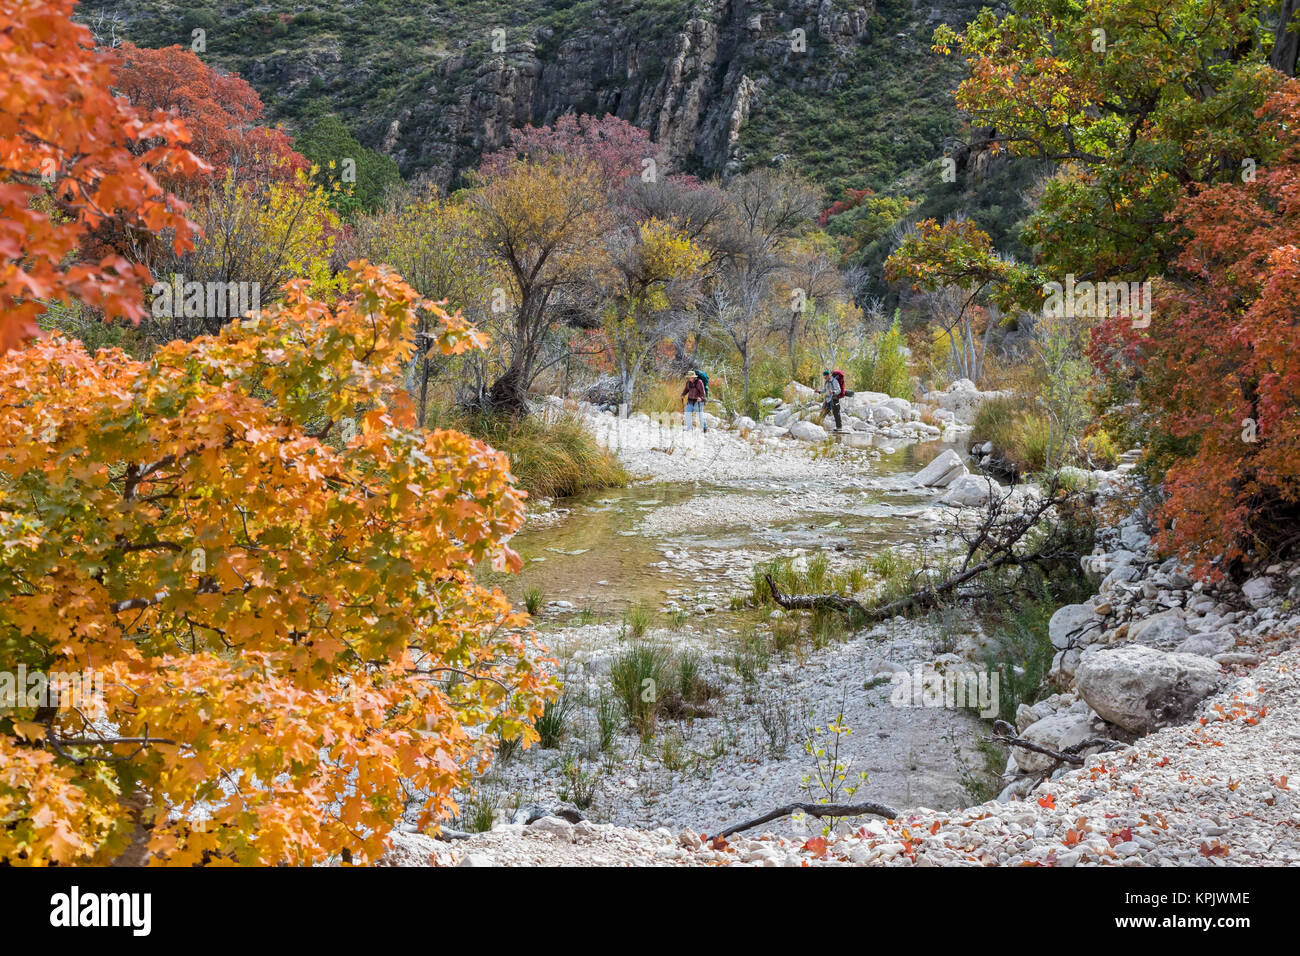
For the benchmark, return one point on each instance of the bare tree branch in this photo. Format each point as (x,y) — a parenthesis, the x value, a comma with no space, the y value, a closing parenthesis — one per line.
(818,810)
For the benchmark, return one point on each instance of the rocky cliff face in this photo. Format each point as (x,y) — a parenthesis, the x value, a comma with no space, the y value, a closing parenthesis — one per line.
(692,89)
(437,83)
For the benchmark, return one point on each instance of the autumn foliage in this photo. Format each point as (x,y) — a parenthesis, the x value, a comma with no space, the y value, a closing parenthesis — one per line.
(75,158)
(1218,371)
(852,199)
(224,115)
(272,568)
(614,147)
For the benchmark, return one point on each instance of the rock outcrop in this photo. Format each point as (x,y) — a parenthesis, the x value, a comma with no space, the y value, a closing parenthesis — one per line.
(882,418)
(1151,646)
(963,400)
(692,84)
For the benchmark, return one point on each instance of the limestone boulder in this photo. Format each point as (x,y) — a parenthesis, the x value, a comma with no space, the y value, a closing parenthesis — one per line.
(1142,689)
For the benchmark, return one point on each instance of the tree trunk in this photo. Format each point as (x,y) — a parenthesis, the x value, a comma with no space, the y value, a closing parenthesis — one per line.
(626,381)
(995,316)
(1286,44)
(424,389)
(509,393)
(794,365)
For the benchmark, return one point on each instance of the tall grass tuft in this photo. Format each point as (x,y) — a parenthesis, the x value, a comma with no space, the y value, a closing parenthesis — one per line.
(553,724)
(607,720)
(813,577)
(638,620)
(639,677)
(1019,432)
(548,459)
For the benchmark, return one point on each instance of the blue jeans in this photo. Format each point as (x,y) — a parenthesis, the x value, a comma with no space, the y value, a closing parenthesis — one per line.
(696,408)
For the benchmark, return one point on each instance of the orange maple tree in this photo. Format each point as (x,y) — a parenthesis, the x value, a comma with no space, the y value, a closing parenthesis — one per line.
(1218,371)
(74,157)
(223,114)
(272,568)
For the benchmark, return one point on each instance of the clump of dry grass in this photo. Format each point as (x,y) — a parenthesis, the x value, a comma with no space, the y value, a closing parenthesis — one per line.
(549,459)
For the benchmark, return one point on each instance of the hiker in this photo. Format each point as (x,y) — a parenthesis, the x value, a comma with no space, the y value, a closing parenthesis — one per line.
(694,395)
(833,389)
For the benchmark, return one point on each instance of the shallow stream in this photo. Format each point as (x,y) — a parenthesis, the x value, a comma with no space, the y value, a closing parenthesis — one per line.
(635,545)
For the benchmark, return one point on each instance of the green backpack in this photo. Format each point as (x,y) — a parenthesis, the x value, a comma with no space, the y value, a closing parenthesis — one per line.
(700,374)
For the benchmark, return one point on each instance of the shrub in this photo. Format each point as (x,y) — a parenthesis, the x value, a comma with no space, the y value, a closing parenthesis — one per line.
(883,366)
(577,785)
(1100,449)
(672,753)
(664,396)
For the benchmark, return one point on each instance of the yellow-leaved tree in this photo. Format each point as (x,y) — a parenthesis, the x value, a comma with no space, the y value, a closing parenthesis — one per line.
(271,570)
(426,238)
(259,234)
(651,268)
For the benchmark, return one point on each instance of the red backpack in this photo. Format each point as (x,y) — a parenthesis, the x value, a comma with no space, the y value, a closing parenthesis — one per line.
(839,377)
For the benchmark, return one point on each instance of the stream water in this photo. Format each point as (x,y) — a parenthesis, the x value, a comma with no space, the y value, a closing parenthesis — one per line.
(685,550)
(642,543)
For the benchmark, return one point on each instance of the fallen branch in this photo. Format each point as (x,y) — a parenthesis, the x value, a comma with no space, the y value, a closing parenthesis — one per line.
(927,597)
(814,810)
(994,539)
(1006,734)
(808,602)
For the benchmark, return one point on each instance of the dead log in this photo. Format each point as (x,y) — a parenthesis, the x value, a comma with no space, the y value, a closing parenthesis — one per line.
(994,539)
(927,597)
(809,602)
(814,810)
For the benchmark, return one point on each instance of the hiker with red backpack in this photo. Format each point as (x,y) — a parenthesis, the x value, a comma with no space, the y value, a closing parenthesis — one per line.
(833,389)
(694,395)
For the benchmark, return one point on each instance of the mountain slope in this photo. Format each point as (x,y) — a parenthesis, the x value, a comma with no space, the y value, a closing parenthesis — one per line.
(721,84)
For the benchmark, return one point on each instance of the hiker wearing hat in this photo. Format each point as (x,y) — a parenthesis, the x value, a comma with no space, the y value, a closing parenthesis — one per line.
(694,395)
(833,390)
